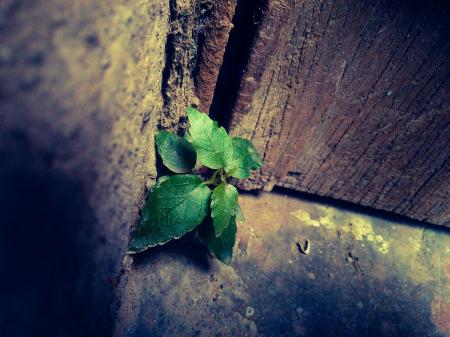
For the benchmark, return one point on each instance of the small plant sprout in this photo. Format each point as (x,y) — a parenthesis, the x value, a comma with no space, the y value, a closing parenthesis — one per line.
(179,203)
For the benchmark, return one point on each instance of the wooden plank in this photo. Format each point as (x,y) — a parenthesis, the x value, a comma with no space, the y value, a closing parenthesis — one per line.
(351,100)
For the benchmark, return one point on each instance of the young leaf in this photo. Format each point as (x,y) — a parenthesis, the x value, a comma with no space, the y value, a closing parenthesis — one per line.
(160,181)
(176,152)
(223,203)
(175,206)
(246,158)
(212,144)
(221,246)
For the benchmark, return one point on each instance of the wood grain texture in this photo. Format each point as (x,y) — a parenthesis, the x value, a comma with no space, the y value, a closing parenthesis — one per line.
(351,99)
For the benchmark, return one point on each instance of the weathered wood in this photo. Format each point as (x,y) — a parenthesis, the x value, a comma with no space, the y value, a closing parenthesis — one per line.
(214,41)
(350,99)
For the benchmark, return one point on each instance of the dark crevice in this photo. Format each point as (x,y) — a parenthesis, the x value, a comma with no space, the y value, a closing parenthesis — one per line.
(200,42)
(237,53)
(169,51)
(169,55)
(204,13)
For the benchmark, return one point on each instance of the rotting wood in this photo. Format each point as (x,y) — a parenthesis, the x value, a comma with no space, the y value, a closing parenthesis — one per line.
(351,100)
(212,51)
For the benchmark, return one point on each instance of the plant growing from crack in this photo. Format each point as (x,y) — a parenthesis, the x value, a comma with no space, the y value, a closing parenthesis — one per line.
(179,203)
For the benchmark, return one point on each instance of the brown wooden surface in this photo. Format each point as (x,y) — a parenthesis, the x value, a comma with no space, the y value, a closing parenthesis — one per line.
(351,99)
(215,39)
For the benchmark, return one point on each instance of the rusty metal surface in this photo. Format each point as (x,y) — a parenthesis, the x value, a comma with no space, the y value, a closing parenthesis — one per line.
(363,276)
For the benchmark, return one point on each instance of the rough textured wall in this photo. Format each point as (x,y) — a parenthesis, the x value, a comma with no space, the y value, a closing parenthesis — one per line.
(80,96)
(195,48)
(83,87)
(351,100)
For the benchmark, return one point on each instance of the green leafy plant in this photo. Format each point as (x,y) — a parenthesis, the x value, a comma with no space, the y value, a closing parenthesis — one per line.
(179,203)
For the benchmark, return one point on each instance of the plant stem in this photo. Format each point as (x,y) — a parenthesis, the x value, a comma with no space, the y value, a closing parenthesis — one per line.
(212,180)
(223,177)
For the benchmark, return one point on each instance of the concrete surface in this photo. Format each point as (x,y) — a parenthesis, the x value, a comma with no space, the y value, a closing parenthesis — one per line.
(80,97)
(364,276)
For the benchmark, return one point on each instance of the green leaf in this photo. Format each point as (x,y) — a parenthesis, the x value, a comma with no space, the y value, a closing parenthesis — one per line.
(160,181)
(239,214)
(176,205)
(212,144)
(176,152)
(221,246)
(223,203)
(246,158)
